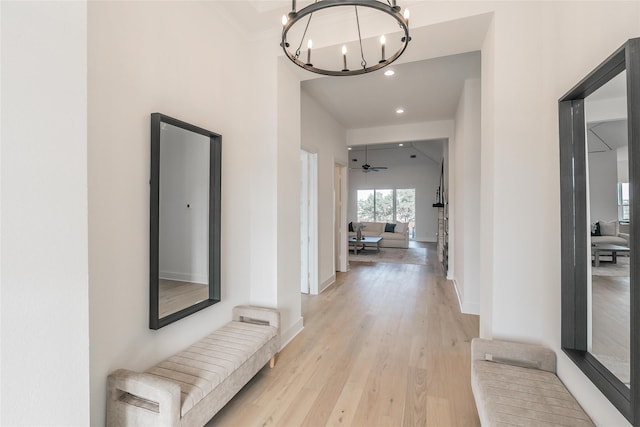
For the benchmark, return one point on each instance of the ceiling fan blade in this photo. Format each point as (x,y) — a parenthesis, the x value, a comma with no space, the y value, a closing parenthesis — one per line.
(378,168)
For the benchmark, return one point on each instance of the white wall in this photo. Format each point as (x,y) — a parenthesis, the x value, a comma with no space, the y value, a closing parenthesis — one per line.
(603,186)
(465,207)
(44,272)
(536,59)
(605,168)
(184,205)
(174,58)
(401,133)
(323,134)
(288,202)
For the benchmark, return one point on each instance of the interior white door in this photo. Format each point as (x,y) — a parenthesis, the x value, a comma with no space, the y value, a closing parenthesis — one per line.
(304,222)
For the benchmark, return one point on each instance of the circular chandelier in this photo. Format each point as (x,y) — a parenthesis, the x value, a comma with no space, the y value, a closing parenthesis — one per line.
(296,56)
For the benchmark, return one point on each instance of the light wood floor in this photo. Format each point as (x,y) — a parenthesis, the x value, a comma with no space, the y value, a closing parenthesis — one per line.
(175,295)
(611,334)
(386,345)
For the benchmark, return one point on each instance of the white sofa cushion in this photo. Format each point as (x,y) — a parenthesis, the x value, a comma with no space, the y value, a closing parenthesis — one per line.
(392,236)
(608,228)
(610,240)
(372,228)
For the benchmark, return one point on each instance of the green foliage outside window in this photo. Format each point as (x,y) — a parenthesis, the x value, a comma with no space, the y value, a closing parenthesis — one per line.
(387,206)
(366,206)
(384,206)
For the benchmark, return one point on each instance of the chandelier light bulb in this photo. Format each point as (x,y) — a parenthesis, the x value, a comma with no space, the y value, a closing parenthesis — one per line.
(406,15)
(309,46)
(284,20)
(382,42)
(344,58)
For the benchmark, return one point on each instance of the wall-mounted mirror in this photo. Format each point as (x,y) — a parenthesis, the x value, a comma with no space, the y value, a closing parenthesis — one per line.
(185,220)
(599,152)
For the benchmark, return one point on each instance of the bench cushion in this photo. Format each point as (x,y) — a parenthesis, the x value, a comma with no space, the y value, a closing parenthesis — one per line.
(204,365)
(518,396)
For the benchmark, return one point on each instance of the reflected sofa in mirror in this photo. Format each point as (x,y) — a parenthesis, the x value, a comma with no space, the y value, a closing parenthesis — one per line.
(184,220)
(599,155)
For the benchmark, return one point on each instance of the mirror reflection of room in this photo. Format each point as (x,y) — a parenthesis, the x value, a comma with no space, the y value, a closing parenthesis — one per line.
(184,219)
(608,201)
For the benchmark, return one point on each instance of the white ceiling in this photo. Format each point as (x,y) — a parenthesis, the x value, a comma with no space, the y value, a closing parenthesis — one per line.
(607,136)
(427,90)
(390,155)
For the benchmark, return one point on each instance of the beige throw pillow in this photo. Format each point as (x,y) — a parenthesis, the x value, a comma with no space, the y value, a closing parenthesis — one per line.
(609,228)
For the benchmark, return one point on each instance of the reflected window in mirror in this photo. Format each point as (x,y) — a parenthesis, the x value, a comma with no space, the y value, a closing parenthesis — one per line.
(599,122)
(185,219)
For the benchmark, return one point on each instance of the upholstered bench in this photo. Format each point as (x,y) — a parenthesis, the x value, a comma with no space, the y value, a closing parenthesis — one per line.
(515,384)
(189,388)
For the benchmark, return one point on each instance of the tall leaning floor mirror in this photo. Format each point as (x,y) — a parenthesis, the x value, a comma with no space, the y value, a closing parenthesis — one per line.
(600,173)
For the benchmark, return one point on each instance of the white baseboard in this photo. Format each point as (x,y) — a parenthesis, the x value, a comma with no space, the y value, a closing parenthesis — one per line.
(426,239)
(324,285)
(291,333)
(465,307)
(455,287)
(471,308)
(183,277)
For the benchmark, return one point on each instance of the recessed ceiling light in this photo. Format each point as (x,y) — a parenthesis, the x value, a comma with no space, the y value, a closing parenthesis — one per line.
(400,145)
(399,111)
(389,73)
(349,148)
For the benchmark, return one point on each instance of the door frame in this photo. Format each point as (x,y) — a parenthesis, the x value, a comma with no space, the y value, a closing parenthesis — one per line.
(309,188)
(341,188)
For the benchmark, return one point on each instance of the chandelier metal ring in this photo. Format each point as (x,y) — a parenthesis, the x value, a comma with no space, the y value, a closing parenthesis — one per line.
(295,16)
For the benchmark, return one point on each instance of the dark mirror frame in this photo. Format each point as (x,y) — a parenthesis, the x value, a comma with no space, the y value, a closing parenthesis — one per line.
(574,235)
(214,221)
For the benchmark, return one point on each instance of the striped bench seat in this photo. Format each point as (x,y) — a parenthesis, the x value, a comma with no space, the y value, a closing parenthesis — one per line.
(190,387)
(515,384)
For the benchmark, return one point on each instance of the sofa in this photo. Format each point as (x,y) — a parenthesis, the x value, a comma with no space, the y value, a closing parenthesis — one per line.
(610,232)
(190,387)
(398,238)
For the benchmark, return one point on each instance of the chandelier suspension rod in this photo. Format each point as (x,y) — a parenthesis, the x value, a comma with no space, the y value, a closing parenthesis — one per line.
(364,62)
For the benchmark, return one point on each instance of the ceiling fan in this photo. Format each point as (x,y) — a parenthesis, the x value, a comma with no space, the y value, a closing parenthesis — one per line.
(366,167)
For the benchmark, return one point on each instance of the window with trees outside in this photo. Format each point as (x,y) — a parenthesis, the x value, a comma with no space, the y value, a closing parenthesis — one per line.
(388,205)
(623,201)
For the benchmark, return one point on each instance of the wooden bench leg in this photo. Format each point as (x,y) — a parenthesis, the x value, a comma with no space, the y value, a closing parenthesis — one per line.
(272,361)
